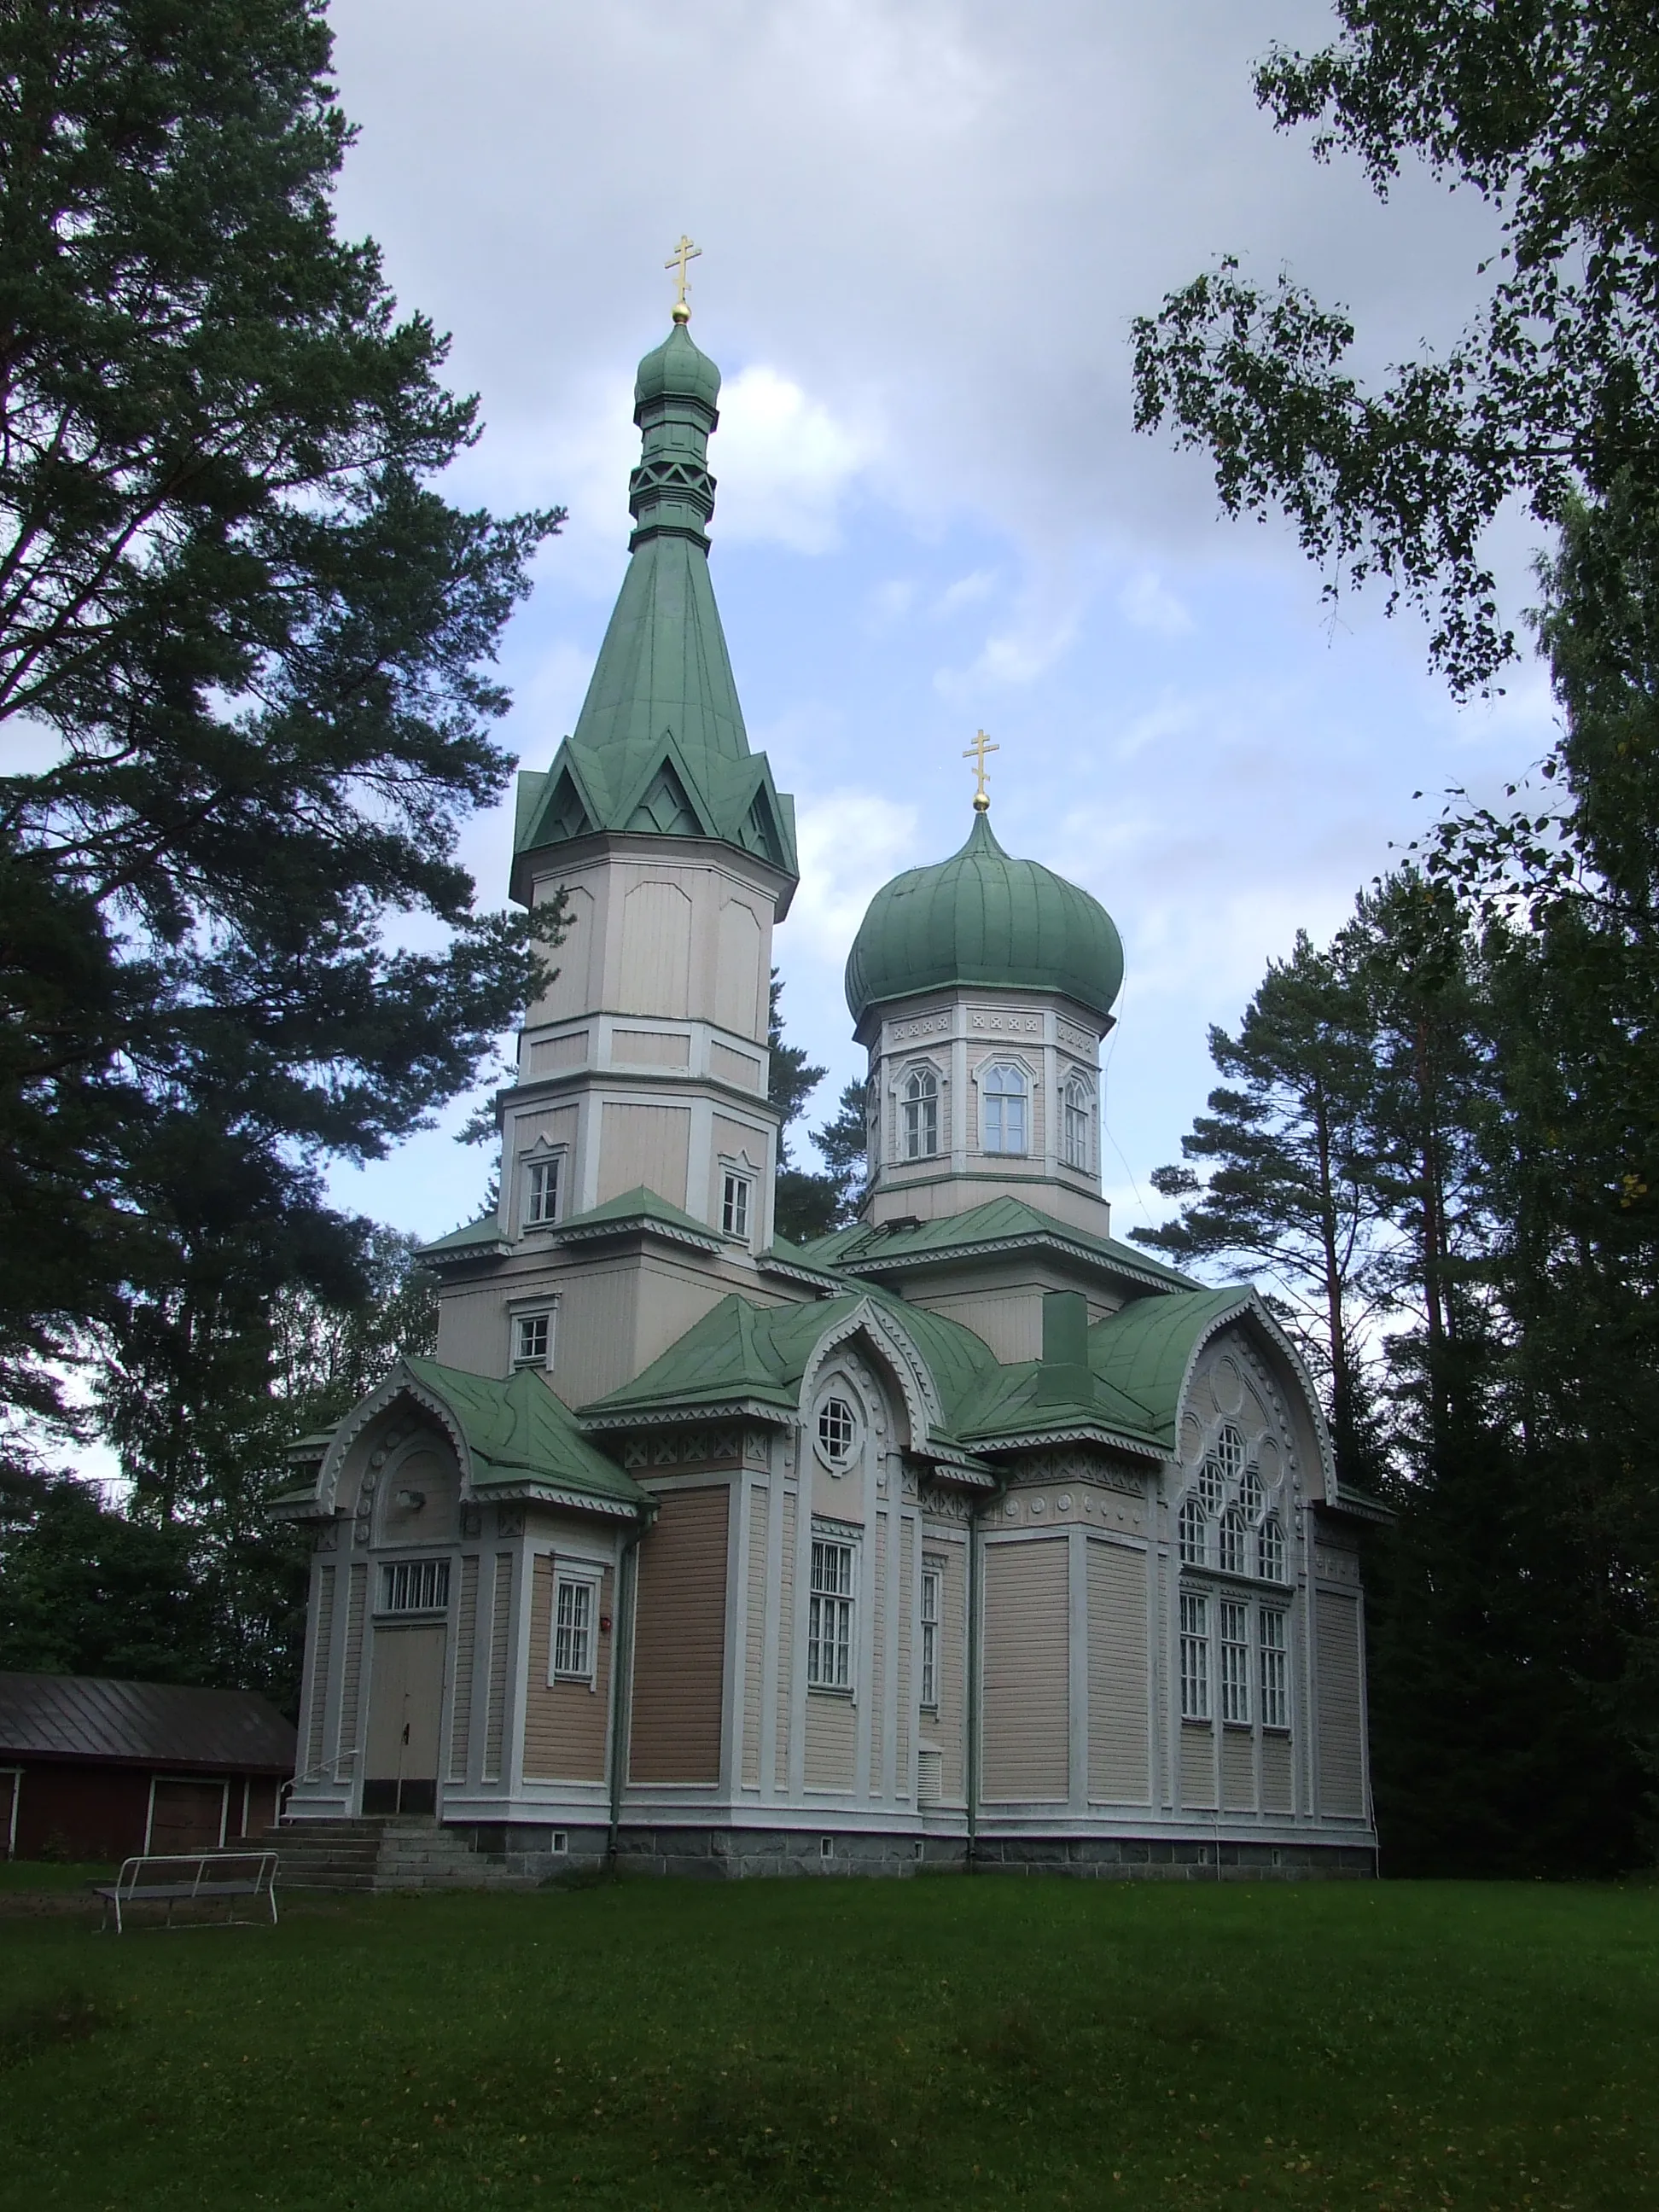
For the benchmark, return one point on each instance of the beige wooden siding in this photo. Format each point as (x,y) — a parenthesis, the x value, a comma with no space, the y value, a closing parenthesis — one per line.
(646,1144)
(549,1054)
(501,1611)
(906,1655)
(878,1601)
(351,1669)
(737,976)
(466,1635)
(786,1645)
(948,1726)
(831,1740)
(731,1138)
(567,992)
(679,1640)
(564,1722)
(322,1647)
(1197,1767)
(656,949)
(1238,1770)
(1027,1673)
(1118,1772)
(1340,1770)
(557,1126)
(651,1047)
(733,1067)
(1276,1774)
(754,1660)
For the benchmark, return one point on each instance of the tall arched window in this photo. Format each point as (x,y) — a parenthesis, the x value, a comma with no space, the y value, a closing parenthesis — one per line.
(1193,1528)
(1003,1093)
(1235,1543)
(1077,1125)
(1272,1544)
(921,1113)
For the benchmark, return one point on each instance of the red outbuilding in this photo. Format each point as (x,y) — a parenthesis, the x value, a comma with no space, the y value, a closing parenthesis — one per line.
(96,1770)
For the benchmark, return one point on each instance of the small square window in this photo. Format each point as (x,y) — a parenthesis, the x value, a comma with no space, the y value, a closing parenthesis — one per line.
(734,1206)
(541,1191)
(533,1340)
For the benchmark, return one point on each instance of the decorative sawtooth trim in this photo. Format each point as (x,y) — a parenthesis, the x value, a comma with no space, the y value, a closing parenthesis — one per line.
(548,1493)
(921,1406)
(873,1263)
(399,1384)
(1084,1433)
(1057,1467)
(678,1416)
(630,1225)
(826,1285)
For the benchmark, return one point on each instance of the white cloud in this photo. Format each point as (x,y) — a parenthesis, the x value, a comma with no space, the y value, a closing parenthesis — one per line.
(784,462)
(1145,602)
(967,591)
(851,843)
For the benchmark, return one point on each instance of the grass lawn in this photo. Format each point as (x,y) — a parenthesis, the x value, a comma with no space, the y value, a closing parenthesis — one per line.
(940,2042)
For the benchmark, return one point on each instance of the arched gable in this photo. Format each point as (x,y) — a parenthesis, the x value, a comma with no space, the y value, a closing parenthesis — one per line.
(1243,1354)
(368,1429)
(881,1340)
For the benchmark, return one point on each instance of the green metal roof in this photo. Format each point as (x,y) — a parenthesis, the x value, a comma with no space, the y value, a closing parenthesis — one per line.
(983,917)
(520,1433)
(660,747)
(1145,1349)
(485,1232)
(1000,1221)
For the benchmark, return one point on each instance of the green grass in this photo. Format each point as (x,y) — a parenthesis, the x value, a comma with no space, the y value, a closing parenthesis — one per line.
(37,1874)
(941,2042)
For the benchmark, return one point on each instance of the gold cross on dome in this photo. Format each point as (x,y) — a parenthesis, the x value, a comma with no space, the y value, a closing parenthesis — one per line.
(976,753)
(683,252)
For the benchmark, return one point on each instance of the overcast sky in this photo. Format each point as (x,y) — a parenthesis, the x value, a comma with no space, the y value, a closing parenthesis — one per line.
(926,228)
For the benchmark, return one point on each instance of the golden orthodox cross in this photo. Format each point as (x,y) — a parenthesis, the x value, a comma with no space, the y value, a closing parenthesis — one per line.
(683,252)
(976,753)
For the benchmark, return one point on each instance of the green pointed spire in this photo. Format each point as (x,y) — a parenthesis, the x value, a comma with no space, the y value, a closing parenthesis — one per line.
(660,747)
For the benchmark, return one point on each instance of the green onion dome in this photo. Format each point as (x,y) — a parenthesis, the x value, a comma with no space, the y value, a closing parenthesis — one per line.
(676,369)
(982,918)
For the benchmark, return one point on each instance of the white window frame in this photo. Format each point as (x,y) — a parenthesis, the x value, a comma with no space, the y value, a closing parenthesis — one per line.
(1194,1656)
(1235,1663)
(832,1620)
(737,1202)
(919,1115)
(573,1630)
(1273,1648)
(1002,1084)
(1271,1553)
(526,1317)
(1193,1532)
(417,1585)
(932,1596)
(1235,1546)
(1077,1124)
(832,1407)
(542,1189)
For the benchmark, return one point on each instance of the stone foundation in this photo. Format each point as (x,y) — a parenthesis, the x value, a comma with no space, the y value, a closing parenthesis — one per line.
(724,1854)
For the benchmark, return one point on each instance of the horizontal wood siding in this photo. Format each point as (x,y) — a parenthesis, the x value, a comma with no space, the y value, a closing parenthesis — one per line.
(466,1633)
(1276,1774)
(786,1643)
(877,1600)
(948,1728)
(1238,1770)
(1197,1767)
(500,1613)
(906,1679)
(565,1722)
(1027,1671)
(1341,1789)
(679,1640)
(1118,1767)
(831,1740)
(754,1660)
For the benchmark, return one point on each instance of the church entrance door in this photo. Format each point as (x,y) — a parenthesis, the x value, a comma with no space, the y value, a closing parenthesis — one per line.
(400,1774)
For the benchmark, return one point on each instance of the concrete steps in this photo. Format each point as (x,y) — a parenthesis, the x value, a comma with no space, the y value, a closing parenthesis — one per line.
(401,1851)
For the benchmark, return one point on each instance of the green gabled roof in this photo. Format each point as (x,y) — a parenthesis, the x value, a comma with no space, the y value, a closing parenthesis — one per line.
(646,1208)
(1145,1350)
(485,1231)
(1000,1221)
(1015,1402)
(520,1433)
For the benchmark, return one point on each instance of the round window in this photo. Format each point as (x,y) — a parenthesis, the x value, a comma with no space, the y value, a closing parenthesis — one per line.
(837,1432)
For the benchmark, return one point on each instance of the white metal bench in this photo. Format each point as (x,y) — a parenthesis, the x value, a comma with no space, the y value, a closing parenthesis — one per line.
(190,1878)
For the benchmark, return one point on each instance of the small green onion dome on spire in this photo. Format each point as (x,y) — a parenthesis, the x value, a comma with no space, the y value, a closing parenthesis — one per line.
(982,918)
(676,369)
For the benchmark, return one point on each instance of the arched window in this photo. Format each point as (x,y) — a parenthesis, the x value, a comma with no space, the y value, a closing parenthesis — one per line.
(1229,1450)
(1077,1125)
(921,1113)
(1193,1529)
(1271,1545)
(1003,1093)
(1212,1483)
(1249,1493)
(1235,1543)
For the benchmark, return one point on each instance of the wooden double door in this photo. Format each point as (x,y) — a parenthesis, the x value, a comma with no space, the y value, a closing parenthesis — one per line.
(405,1706)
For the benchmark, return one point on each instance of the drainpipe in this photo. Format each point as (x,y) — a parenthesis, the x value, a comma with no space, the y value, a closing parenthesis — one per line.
(622,1673)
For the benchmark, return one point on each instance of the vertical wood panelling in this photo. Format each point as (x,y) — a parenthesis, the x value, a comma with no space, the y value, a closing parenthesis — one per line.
(737,979)
(648,1144)
(786,1643)
(656,949)
(1237,1770)
(878,1600)
(950,1723)
(1275,1774)
(754,1664)
(1027,1666)
(1340,1768)
(351,1667)
(679,1640)
(466,1632)
(322,1651)
(1197,1767)
(831,1740)
(907,1695)
(500,1620)
(1117,1676)
(564,1722)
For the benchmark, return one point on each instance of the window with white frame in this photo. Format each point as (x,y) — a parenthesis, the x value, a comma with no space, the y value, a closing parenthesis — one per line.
(1077,1125)
(541,1189)
(932,1581)
(532,1337)
(1229,1452)
(1271,1549)
(1004,1094)
(1193,1527)
(1235,1543)
(830,1616)
(1194,1656)
(838,1429)
(1211,1484)
(1234,1661)
(920,1104)
(1250,1499)
(1275,1669)
(736,1198)
(572,1628)
(415,1586)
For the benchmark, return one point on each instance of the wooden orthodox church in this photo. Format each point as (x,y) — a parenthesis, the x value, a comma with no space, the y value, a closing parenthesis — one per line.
(965,1535)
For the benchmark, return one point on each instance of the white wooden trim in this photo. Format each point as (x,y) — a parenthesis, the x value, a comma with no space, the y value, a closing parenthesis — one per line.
(16,1774)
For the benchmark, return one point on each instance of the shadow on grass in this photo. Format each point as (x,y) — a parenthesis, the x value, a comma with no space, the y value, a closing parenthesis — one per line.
(46,2023)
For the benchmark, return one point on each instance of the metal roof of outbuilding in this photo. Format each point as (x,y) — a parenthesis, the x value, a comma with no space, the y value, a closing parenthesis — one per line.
(85,1716)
